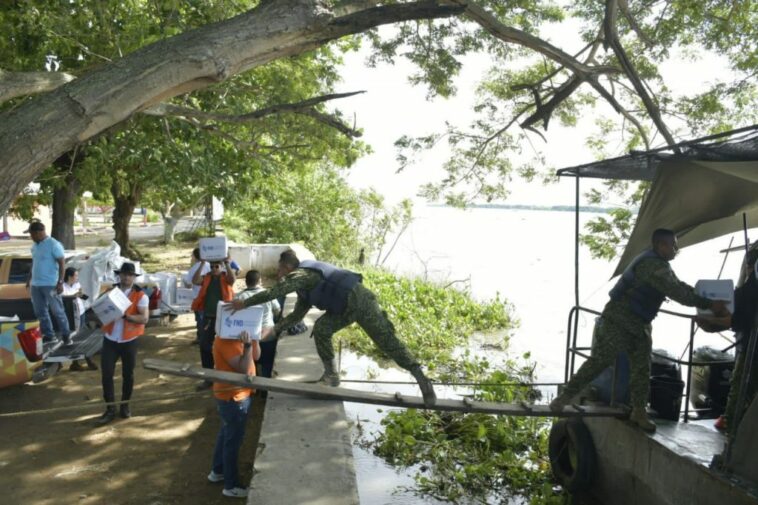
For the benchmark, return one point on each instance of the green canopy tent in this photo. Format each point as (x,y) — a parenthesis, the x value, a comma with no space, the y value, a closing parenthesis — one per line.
(699,200)
(700,188)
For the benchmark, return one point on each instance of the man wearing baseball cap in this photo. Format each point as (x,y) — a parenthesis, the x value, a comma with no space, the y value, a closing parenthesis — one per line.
(46,283)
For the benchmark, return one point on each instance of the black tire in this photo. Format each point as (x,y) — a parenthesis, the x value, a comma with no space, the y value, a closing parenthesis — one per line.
(572,455)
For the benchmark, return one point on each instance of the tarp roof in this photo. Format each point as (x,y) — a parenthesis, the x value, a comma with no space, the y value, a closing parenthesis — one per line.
(700,189)
(735,145)
(699,200)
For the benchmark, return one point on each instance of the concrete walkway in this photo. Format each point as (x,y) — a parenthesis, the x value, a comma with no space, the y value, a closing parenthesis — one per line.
(305,456)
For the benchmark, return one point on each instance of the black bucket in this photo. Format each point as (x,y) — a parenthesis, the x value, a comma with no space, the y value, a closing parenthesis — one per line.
(666,396)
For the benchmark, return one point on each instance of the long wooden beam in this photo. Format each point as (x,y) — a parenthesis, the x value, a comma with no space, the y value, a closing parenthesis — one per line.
(396,400)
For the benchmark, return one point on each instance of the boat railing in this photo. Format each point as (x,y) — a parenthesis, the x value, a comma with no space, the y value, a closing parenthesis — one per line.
(573,350)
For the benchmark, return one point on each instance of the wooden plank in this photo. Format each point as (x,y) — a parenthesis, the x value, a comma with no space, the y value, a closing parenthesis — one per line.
(392,400)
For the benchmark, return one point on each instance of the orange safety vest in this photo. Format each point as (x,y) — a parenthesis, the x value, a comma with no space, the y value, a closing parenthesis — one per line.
(131,330)
(227,293)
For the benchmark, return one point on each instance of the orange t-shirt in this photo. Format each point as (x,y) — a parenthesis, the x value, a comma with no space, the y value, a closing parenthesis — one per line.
(225,349)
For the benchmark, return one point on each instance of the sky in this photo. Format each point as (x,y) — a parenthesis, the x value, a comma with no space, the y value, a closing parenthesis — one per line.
(392,107)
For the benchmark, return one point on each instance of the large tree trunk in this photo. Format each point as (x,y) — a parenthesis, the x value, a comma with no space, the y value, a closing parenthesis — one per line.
(65,199)
(42,128)
(66,196)
(125,198)
(169,228)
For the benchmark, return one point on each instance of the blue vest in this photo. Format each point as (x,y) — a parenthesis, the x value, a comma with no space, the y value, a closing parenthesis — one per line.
(644,300)
(331,293)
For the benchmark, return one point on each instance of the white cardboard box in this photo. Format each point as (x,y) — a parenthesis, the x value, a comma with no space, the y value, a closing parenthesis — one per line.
(111,305)
(716,290)
(230,325)
(213,248)
(184,296)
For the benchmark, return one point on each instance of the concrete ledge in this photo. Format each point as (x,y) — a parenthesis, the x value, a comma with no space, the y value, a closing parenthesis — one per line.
(305,456)
(668,468)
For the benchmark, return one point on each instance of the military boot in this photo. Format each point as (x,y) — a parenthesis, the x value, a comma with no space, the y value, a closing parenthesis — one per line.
(640,418)
(427,389)
(559,403)
(331,376)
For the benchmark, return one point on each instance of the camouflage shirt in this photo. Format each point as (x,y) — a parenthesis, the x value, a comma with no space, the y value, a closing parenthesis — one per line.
(657,273)
(298,279)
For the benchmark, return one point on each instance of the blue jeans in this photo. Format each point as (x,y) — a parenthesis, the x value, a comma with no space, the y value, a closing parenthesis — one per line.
(233,420)
(45,300)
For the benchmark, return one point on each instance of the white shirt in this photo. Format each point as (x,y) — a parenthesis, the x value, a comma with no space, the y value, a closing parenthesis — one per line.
(74,289)
(187,278)
(117,334)
(269,308)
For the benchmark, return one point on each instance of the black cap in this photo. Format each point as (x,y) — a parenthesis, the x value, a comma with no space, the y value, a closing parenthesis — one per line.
(35,226)
(127,268)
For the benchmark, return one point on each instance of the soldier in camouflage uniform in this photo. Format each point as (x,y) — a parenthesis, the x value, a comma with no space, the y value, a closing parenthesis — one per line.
(624,325)
(345,300)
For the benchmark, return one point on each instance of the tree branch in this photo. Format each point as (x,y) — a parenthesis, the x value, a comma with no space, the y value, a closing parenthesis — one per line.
(624,6)
(515,36)
(612,40)
(16,84)
(41,129)
(304,107)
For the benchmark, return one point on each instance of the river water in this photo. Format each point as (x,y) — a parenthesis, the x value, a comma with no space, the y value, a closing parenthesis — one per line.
(527,256)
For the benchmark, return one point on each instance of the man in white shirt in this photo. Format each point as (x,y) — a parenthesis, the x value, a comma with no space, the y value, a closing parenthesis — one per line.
(271,309)
(121,342)
(187,280)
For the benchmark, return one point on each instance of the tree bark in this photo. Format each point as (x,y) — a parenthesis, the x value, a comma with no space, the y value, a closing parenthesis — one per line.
(125,198)
(66,194)
(38,131)
(65,199)
(15,84)
(171,217)
(169,228)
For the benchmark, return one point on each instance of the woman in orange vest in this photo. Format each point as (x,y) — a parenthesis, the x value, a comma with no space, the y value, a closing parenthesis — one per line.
(120,341)
(215,286)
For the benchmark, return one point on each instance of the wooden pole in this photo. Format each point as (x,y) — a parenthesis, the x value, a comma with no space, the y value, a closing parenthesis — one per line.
(393,400)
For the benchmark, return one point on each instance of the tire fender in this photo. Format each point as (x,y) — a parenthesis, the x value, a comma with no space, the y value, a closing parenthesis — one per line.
(572,455)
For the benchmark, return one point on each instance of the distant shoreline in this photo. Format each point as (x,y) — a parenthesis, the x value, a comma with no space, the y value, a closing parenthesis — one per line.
(557,208)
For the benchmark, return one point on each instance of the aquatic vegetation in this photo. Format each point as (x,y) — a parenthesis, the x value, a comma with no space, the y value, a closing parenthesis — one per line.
(458,457)
(432,320)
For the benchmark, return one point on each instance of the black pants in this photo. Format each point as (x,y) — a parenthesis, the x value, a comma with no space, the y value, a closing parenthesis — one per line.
(111,352)
(207,336)
(265,363)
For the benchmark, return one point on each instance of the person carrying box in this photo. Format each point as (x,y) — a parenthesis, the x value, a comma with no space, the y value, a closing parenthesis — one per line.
(120,341)
(346,300)
(233,402)
(215,286)
(270,310)
(625,324)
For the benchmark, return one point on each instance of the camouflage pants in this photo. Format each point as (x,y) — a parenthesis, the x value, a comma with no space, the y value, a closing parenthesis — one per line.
(611,339)
(362,308)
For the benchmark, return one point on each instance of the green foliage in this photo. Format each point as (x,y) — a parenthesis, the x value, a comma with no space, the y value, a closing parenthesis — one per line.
(473,456)
(431,319)
(316,208)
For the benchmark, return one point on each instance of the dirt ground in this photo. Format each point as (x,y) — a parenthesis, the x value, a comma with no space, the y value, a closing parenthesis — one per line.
(161,455)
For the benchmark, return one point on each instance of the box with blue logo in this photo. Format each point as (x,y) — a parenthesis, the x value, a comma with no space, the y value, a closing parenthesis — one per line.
(230,325)
(213,248)
(111,305)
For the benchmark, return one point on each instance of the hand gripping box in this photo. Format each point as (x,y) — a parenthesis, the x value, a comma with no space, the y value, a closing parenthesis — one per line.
(111,305)
(722,289)
(213,248)
(230,325)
